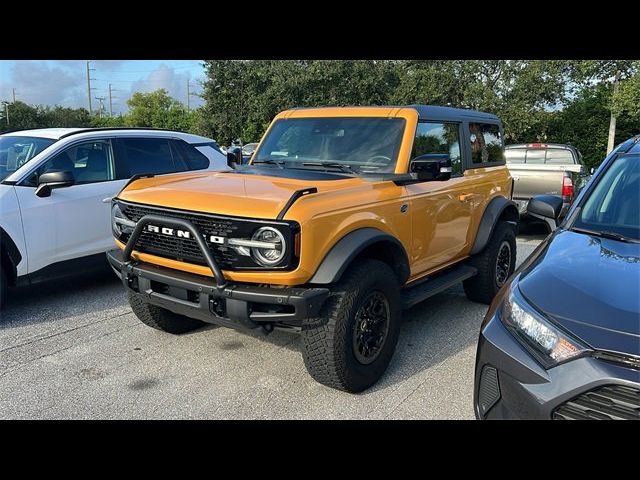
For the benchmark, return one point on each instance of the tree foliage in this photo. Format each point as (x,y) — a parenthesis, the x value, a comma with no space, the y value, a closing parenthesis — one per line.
(537,100)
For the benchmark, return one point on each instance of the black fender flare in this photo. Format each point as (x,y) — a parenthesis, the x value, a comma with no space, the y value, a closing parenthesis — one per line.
(353,244)
(9,256)
(492,214)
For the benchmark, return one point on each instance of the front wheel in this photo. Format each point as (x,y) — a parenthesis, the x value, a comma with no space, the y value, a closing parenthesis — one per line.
(351,345)
(495,265)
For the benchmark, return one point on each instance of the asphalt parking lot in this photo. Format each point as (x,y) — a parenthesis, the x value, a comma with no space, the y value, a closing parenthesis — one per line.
(75,350)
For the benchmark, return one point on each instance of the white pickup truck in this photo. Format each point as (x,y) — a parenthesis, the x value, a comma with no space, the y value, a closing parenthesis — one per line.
(545,168)
(54,219)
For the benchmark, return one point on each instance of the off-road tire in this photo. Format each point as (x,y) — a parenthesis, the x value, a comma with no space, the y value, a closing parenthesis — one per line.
(328,341)
(484,286)
(3,287)
(160,318)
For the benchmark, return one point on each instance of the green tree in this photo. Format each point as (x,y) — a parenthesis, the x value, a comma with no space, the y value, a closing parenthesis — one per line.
(584,123)
(66,117)
(22,116)
(158,110)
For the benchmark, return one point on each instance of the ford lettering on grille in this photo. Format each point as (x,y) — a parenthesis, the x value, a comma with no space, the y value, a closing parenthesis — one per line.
(174,232)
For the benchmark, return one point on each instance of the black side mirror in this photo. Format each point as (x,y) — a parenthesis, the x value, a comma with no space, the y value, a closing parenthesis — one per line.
(50,180)
(546,208)
(234,156)
(431,166)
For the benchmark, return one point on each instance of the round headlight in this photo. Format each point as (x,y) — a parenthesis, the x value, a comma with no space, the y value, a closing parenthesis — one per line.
(275,253)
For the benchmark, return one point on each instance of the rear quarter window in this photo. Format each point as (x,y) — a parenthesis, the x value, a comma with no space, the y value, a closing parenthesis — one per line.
(486,143)
(195,160)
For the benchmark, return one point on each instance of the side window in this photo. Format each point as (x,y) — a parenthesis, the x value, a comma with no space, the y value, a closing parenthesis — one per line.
(90,162)
(195,160)
(536,156)
(145,155)
(486,143)
(559,157)
(434,137)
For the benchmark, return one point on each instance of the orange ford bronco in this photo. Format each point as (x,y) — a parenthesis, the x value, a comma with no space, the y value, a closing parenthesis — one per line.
(343,218)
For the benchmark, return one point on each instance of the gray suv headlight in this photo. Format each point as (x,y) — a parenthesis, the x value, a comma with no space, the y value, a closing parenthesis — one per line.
(547,342)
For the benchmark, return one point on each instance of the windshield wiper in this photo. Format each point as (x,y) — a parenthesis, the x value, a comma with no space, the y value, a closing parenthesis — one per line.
(269,161)
(606,234)
(343,167)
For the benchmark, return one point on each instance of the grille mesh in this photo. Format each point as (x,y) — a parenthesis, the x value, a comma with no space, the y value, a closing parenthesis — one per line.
(187,250)
(611,402)
(489,390)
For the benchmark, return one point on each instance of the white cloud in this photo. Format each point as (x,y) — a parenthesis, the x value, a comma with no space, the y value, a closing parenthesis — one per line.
(174,82)
(37,83)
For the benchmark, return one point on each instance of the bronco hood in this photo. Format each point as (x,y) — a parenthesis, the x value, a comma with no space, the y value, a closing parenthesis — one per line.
(259,193)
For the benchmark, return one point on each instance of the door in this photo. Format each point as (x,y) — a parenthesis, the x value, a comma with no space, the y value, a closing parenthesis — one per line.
(74,221)
(440,214)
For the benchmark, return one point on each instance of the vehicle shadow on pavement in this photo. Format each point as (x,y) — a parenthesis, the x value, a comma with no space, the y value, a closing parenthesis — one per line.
(54,300)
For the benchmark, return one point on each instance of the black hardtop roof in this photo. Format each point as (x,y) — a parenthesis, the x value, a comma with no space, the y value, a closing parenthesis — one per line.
(451,113)
(426,111)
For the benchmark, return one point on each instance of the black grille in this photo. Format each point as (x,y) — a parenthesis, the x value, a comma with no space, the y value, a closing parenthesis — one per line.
(186,249)
(612,402)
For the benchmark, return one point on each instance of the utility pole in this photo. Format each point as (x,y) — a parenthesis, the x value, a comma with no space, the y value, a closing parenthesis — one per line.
(612,121)
(190,94)
(101,107)
(110,102)
(89,84)
(14,95)
(6,112)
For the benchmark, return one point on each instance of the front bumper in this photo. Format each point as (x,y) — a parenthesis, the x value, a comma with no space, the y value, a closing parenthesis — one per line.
(230,305)
(525,390)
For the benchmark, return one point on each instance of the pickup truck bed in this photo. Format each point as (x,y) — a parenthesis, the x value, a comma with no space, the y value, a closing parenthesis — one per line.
(544,175)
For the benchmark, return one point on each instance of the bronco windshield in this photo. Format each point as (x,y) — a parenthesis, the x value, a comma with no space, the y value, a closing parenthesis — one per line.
(16,151)
(351,144)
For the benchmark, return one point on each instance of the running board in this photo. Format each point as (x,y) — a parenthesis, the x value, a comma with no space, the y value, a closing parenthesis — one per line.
(433,285)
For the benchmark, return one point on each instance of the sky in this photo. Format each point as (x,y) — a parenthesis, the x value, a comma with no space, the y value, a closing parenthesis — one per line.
(64,82)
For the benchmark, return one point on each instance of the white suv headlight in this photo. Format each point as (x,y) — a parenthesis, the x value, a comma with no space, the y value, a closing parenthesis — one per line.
(547,342)
(269,257)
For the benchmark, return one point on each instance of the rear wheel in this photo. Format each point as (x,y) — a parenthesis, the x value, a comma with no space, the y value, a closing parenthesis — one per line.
(495,265)
(160,318)
(351,345)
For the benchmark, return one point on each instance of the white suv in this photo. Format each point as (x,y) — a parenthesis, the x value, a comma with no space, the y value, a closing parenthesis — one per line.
(55,186)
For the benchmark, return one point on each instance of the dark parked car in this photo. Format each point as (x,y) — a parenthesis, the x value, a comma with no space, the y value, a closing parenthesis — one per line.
(561,340)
